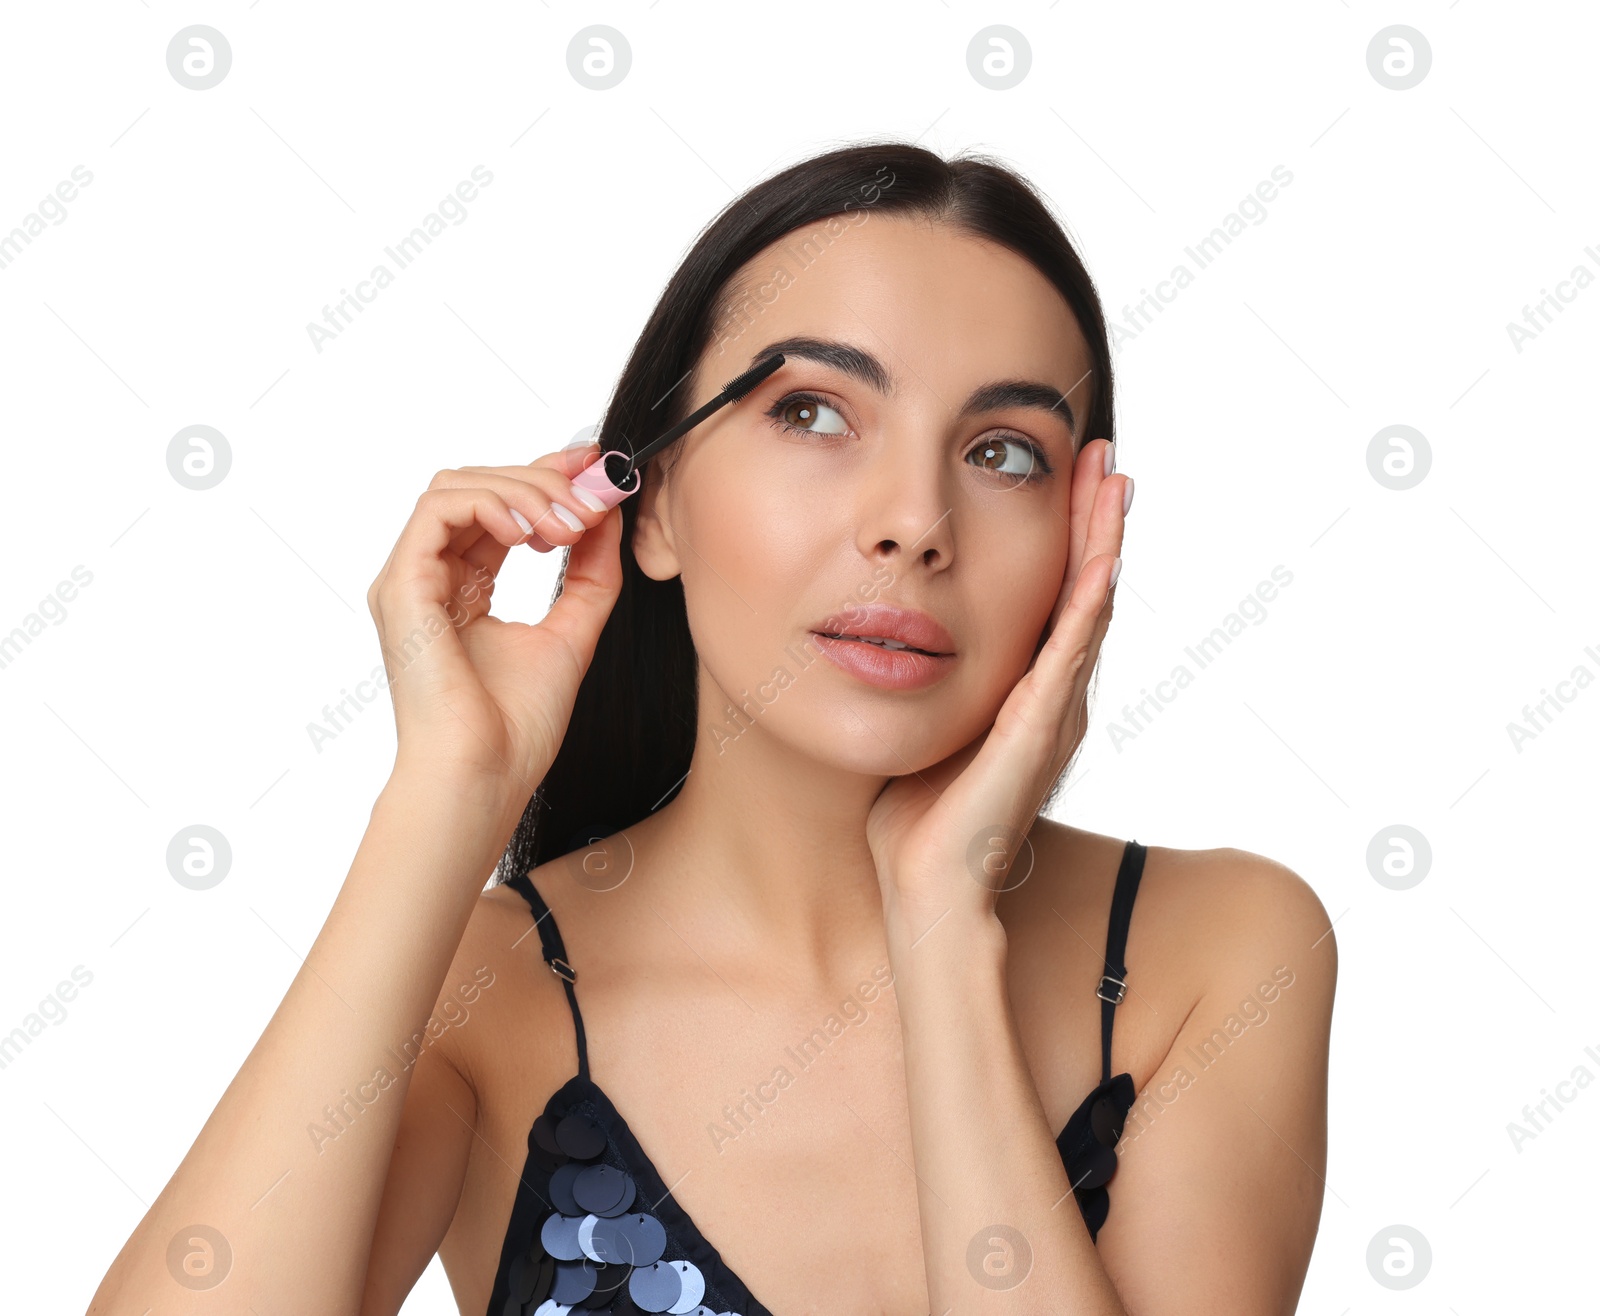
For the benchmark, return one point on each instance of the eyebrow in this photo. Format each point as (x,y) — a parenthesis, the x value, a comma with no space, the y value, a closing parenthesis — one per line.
(861,364)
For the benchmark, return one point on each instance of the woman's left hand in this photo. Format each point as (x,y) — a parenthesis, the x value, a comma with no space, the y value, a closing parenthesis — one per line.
(946,837)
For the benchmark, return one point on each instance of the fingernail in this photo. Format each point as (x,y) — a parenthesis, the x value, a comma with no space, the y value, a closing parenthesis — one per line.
(579,443)
(1111,456)
(521,521)
(1127,496)
(567,516)
(587,499)
(1116,570)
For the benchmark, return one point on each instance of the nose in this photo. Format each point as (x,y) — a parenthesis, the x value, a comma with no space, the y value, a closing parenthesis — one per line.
(905,509)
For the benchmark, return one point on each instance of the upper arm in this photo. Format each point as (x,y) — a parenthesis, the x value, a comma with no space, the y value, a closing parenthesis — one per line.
(1219,1185)
(427,1167)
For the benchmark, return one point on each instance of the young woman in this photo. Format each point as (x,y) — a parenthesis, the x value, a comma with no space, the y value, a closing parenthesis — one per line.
(790,1001)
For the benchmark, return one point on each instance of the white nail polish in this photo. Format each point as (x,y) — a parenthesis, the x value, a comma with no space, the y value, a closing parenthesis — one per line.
(1111,457)
(522,521)
(1127,496)
(1116,570)
(566,516)
(587,499)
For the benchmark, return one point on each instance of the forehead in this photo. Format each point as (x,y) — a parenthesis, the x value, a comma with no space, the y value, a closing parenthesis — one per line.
(940,306)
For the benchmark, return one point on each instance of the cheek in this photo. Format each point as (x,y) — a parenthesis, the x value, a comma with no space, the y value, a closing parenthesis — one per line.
(1021,580)
(751,558)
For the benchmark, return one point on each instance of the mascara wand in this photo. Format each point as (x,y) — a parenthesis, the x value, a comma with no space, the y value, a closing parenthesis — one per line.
(596,477)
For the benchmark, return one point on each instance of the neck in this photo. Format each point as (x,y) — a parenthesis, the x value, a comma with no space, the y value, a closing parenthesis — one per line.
(766,850)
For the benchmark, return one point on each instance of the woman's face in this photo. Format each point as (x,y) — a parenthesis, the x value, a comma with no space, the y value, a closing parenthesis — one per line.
(871,469)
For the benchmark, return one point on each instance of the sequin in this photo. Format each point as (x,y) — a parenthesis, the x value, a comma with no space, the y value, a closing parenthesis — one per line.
(694,1287)
(1094,1168)
(609,1281)
(559,1236)
(586,1238)
(544,1133)
(1106,1120)
(590,1251)
(561,1188)
(623,1305)
(575,1281)
(546,1278)
(655,1287)
(546,1160)
(580,1137)
(603,1189)
(642,1238)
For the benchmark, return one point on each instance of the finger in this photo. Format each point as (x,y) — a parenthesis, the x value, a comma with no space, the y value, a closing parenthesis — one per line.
(489,552)
(1081,614)
(1102,540)
(589,588)
(418,571)
(1100,525)
(1089,471)
(1040,708)
(566,462)
(540,495)
(1096,640)
(569,461)
(1075,631)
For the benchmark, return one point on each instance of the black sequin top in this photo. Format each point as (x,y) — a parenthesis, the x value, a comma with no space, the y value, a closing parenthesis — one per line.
(594,1228)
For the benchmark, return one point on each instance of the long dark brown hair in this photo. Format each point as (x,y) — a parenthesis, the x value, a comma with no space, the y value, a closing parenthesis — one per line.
(632,731)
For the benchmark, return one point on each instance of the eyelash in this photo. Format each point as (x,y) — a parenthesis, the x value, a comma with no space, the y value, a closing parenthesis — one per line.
(1040,469)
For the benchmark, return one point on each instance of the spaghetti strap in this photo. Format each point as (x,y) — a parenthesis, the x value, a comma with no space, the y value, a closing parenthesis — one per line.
(555,955)
(1113,986)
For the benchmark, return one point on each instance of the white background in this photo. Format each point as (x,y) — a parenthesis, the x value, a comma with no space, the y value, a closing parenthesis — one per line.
(1378,690)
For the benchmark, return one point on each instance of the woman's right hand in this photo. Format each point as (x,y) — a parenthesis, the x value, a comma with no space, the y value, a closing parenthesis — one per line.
(474,694)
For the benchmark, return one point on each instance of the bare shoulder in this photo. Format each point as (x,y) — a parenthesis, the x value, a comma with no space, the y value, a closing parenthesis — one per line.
(1206,924)
(501,1021)
(1257,915)
(1242,900)
(520,1014)
(1225,897)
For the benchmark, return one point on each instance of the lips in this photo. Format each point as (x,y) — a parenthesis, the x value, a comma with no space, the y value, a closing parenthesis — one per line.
(890,628)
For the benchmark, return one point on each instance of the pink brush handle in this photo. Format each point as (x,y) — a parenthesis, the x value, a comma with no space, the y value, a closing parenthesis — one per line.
(594,479)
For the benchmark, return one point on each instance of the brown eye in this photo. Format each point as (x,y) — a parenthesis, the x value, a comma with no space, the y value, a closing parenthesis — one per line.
(807,415)
(1010,459)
